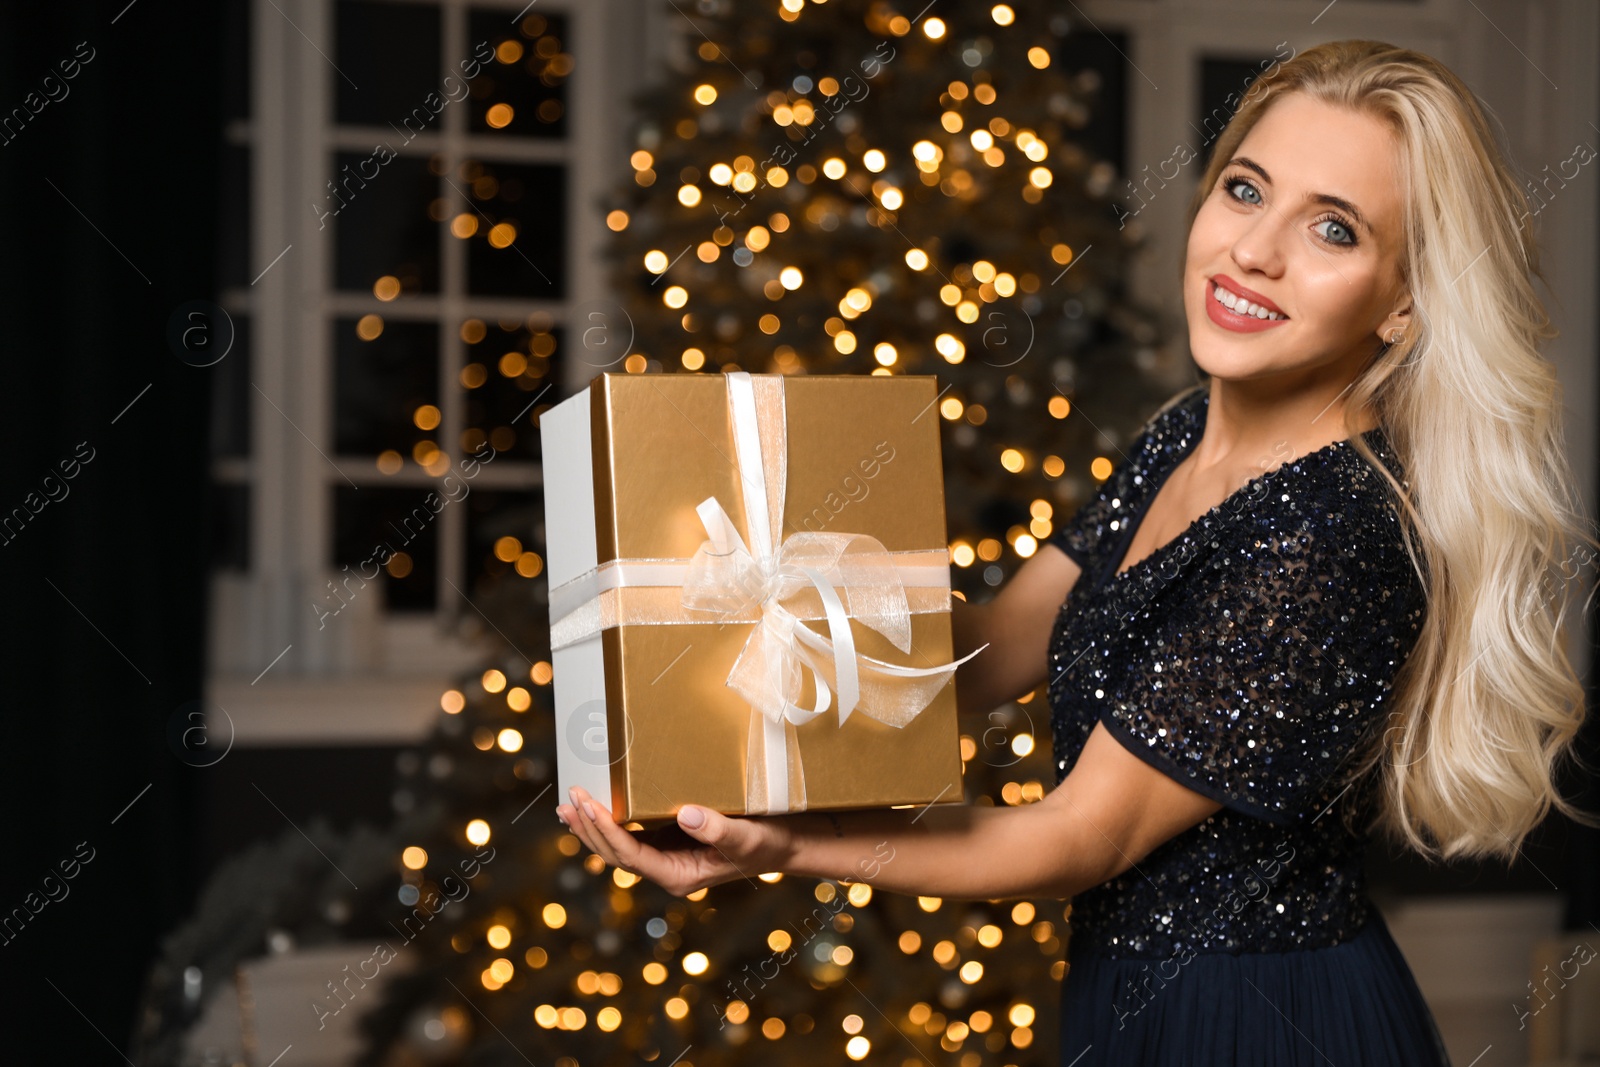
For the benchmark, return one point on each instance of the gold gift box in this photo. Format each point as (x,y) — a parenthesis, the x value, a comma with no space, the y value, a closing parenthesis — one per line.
(646,720)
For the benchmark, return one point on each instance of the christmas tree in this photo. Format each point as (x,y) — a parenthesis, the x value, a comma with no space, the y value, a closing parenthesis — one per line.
(839,188)
(845,187)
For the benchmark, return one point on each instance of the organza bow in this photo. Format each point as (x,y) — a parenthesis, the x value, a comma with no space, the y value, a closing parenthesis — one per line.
(852,573)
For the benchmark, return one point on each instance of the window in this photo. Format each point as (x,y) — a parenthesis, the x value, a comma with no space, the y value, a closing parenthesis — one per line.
(401,256)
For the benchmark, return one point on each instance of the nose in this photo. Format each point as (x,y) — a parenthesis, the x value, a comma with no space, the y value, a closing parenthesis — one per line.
(1259,247)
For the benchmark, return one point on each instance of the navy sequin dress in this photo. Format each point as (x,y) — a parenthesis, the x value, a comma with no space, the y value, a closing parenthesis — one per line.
(1250,659)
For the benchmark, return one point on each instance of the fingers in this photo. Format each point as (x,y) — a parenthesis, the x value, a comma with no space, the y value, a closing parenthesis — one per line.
(575,822)
(592,828)
(614,842)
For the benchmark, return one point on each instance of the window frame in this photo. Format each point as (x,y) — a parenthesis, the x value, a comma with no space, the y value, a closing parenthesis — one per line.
(283,675)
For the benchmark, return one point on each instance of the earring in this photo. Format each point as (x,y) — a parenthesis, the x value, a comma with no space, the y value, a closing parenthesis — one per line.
(1397,335)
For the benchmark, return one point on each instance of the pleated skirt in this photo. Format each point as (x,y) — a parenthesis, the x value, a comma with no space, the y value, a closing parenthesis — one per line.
(1352,1003)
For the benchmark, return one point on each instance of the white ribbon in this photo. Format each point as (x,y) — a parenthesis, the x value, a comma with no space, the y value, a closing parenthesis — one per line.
(772,578)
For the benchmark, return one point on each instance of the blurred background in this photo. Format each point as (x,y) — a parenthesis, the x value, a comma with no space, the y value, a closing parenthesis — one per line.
(290,282)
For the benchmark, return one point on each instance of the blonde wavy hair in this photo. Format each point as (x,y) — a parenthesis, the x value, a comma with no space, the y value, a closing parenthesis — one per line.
(1486,706)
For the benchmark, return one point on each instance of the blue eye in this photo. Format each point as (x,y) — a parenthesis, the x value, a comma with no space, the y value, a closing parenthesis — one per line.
(1349,237)
(1235,183)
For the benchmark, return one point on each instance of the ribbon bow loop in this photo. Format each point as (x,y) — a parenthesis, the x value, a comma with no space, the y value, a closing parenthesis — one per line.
(725,576)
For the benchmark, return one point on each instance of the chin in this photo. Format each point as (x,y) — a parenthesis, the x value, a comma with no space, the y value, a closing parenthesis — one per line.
(1228,361)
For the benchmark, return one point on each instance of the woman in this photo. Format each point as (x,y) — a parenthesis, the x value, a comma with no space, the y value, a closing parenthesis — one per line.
(1315,596)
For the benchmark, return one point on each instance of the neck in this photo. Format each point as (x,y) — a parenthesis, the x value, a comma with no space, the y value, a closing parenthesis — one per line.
(1250,419)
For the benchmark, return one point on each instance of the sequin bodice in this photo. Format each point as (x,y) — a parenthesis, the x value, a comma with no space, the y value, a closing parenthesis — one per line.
(1251,659)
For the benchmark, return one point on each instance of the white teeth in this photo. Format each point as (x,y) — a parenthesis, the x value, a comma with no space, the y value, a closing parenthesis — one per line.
(1240,305)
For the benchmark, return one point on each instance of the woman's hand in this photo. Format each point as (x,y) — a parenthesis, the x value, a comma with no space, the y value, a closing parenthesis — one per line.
(684,858)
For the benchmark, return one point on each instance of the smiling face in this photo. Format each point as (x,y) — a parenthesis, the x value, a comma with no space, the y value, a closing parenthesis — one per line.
(1305,223)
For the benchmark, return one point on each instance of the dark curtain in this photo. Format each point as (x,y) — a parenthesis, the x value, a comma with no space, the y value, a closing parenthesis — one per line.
(108,181)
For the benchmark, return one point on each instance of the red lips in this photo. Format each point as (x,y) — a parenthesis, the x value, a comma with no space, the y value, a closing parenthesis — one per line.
(1237,321)
(1249,294)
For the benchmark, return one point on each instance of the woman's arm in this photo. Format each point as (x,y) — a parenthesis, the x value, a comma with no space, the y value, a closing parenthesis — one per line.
(1106,816)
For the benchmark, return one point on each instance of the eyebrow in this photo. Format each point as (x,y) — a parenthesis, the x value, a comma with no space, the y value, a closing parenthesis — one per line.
(1315,198)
